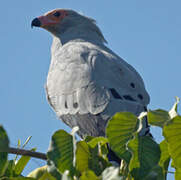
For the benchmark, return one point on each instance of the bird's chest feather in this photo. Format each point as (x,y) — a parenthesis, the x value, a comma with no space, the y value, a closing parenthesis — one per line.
(69,70)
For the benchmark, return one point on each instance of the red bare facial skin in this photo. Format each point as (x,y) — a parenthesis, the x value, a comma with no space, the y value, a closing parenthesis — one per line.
(50,19)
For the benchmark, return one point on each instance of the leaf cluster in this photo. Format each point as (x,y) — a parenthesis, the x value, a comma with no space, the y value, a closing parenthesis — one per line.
(141,157)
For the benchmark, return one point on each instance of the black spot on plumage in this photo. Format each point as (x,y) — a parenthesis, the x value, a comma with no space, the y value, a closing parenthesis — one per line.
(128,97)
(115,93)
(145,108)
(132,85)
(140,96)
(75,105)
(98,114)
(66,105)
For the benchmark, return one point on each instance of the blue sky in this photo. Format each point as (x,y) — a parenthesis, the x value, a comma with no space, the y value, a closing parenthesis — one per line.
(144,33)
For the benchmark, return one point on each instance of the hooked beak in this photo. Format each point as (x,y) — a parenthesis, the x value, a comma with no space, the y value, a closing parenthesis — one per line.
(42,21)
(36,22)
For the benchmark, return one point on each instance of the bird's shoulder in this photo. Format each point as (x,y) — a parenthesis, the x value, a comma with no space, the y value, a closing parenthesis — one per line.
(84,49)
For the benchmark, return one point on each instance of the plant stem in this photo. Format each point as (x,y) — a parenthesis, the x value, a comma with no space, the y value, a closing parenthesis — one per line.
(24,152)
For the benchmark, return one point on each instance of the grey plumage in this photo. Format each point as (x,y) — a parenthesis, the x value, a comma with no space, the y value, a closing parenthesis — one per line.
(87,83)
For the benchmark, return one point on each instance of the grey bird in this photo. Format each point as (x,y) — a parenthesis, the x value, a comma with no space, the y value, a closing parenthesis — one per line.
(87,82)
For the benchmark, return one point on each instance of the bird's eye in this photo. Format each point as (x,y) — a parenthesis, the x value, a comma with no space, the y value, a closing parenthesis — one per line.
(57,14)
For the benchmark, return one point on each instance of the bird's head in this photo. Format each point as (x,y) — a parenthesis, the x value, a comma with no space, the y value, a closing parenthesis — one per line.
(53,20)
(59,21)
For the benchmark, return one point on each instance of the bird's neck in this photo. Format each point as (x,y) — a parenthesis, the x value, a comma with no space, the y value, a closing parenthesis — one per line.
(80,34)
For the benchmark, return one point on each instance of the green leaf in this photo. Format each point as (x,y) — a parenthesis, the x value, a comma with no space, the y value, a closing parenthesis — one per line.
(97,140)
(9,169)
(4,141)
(101,142)
(165,157)
(37,173)
(19,143)
(178,174)
(88,175)
(46,176)
(158,117)
(88,158)
(88,138)
(4,145)
(120,130)
(61,151)
(111,173)
(146,155)
(126,156)
(21,164)
(53,170)
(3,162)
(82,156)
(97,163)
(172,133)
(155,174)
(17,178)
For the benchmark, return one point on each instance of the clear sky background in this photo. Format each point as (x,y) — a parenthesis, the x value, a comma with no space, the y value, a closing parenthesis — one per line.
(147,34)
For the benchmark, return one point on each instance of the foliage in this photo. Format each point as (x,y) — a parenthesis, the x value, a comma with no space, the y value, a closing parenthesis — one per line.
(141,157)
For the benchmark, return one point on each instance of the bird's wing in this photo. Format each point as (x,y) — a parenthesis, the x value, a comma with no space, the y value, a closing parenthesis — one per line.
(85,79)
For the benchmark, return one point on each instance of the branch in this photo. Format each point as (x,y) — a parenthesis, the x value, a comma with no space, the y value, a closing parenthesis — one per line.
(24,152)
